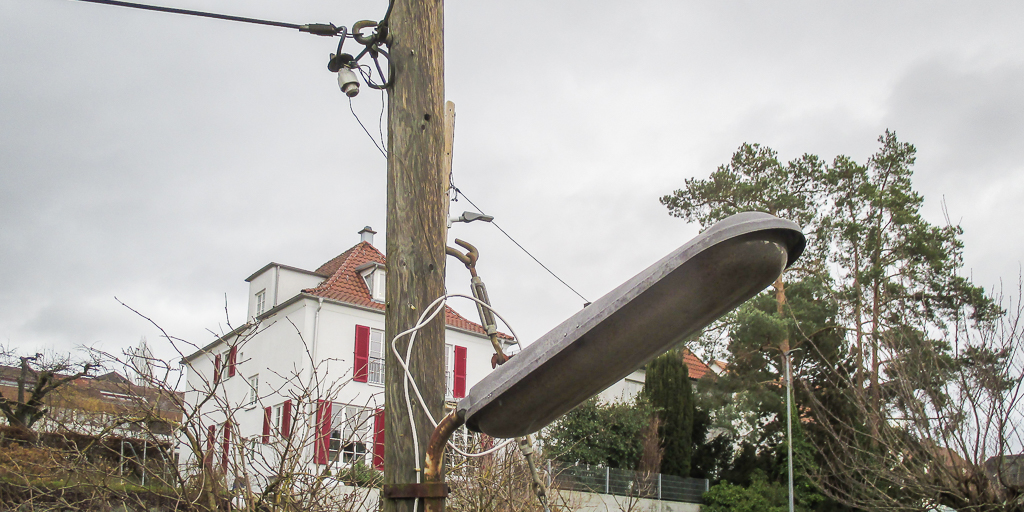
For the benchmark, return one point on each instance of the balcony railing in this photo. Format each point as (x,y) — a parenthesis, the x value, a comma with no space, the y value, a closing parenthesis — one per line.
(375,371)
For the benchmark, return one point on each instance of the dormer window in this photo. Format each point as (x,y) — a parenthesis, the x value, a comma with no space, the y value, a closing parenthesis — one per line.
(261,301)
(374,276)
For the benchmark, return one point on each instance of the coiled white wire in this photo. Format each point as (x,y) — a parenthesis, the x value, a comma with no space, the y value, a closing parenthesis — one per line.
(426,317)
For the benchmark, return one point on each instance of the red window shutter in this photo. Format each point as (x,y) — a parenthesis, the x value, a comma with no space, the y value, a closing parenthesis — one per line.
(286,419)
(459,380)
(360,371)
(267,411)
(232,359)
(216,369)
(211,434)
(323,432)
(378,439)
(227,445)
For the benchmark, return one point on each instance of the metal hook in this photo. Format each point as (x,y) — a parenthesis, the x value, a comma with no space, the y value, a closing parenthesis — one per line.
(469,258)
(357,32)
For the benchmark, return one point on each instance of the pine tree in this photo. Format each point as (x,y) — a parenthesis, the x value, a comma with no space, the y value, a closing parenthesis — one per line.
(667,388)
(877,307)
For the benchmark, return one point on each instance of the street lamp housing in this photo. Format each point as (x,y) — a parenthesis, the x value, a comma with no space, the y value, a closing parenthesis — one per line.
(721,268)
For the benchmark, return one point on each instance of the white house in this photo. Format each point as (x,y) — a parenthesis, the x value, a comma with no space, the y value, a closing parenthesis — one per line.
(309,364)
(631,386)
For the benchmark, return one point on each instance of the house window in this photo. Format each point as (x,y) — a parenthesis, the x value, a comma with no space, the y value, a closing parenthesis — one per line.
(261,301)
(275,418)
(375,280)
(466,441)
(375,365)
(351,427)
(227,369)
(378,285)
(254,389)
(454,371)
(449,369)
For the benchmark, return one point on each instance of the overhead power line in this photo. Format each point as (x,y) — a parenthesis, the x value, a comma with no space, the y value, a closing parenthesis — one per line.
(320,29)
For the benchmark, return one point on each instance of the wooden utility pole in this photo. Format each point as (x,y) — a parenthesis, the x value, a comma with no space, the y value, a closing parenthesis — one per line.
(416,230)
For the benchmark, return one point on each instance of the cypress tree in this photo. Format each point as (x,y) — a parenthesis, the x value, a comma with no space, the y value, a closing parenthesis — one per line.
(667,387)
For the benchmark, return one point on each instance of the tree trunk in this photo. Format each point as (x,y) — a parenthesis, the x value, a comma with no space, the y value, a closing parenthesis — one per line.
(780,303)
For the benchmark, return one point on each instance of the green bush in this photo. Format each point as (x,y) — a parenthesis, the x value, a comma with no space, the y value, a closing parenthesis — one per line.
(600,434)
(761,496)
(359,474)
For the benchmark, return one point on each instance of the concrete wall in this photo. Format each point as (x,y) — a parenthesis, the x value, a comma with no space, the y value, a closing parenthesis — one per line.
(589,502)
(360,499)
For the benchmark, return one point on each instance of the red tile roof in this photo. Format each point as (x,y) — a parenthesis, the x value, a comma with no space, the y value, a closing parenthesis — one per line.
(694,365)
(346,285)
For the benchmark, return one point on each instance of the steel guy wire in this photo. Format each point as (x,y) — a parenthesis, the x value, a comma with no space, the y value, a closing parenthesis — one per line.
(457,192)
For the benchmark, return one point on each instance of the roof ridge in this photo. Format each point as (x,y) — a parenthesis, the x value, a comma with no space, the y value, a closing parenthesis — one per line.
(344,285)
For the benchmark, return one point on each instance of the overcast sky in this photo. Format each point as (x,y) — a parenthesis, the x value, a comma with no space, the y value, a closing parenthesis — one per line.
(161,159)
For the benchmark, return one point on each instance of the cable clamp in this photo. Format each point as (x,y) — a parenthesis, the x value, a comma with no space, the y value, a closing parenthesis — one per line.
(320,29)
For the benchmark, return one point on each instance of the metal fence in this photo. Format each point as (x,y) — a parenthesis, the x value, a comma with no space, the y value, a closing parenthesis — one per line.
(620,482)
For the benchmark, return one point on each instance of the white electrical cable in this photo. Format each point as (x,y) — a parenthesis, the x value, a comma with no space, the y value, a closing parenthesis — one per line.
(426,317)
(408,403)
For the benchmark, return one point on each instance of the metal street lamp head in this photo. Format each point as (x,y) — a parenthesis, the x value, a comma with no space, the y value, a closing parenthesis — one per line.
(470,217)
(697,283)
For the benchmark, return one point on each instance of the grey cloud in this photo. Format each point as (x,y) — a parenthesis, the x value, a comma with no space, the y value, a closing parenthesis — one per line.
(970,117)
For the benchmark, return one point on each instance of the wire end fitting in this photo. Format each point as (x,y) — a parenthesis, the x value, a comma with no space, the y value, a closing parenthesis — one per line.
(320,29)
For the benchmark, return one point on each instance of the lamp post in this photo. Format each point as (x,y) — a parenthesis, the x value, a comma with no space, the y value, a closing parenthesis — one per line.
(682,293)
(788,361)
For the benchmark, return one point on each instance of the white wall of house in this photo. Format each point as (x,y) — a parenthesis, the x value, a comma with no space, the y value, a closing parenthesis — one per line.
(278,283)
(624,389)
(287,345)
(290,282)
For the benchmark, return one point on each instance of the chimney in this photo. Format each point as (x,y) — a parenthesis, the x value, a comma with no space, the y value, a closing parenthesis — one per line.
(366,235)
